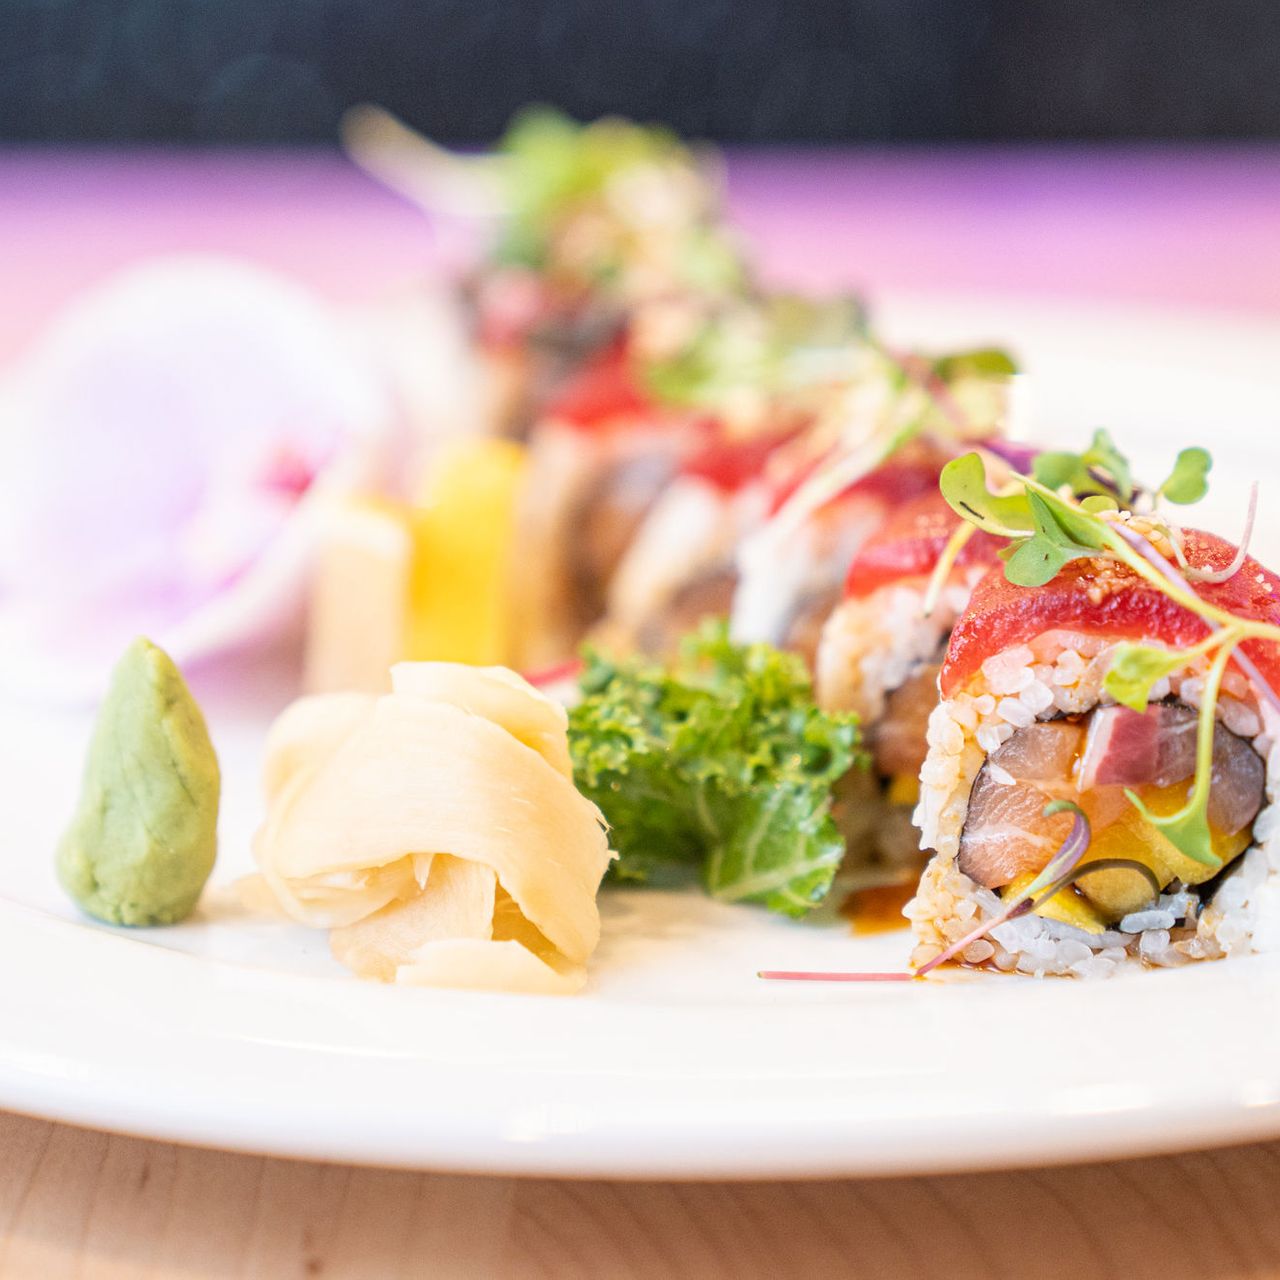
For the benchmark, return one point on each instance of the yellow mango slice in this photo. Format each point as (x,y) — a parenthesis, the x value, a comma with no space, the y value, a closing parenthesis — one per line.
(1118,892)
(903,789)
(463,531)
(1067,906)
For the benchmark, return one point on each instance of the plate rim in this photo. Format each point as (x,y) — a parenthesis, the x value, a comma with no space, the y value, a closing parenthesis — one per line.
(272,1089)
(177,1089)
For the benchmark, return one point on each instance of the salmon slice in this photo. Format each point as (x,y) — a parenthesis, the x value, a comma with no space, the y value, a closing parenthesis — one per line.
(1007,834)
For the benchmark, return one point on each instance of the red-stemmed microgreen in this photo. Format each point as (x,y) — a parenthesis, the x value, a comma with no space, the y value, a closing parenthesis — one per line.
(1061,871)
(1044,886)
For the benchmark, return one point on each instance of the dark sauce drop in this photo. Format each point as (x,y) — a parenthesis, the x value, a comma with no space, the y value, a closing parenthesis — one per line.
(878,908)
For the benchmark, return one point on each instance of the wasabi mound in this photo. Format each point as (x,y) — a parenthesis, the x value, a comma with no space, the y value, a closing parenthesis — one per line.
(144,838)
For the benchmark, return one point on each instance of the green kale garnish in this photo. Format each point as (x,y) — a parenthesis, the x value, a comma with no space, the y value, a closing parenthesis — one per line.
(720,762)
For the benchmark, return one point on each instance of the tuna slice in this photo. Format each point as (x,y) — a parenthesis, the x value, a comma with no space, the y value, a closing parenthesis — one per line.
(1127,748)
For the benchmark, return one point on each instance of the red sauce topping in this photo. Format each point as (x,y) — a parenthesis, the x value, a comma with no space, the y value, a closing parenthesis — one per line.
(1104,598)
(604,389)
(913,470)
(909,544)
(731,463)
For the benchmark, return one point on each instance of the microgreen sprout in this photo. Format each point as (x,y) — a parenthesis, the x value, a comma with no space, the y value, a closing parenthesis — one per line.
(923,404)
(935,376)
(1101,469)
(946,562)
(1188,482)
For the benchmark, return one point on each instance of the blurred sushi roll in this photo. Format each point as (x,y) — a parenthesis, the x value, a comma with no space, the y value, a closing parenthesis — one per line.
(786,594)
(880,653)
(596,221)
(760,375)
(882,443)
(598,462)
(1026,720)
(682,567)
(658,457)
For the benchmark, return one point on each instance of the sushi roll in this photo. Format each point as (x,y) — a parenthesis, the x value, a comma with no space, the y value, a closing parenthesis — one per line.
(681,567)
(1101,782)
(881,651)
(680,417)
(599,219)
(596,465)
(785,596)
(880,446)
(762,373)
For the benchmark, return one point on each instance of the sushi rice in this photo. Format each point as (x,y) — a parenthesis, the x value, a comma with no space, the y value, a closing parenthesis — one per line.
(871,644)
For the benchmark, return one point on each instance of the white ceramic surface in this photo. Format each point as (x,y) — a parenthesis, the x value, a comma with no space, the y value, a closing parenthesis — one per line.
(241,1032)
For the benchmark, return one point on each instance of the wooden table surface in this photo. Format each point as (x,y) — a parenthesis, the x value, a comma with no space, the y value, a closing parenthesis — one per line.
(74,1202)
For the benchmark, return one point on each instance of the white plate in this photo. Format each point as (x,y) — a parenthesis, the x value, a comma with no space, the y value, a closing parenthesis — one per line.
(677,1060)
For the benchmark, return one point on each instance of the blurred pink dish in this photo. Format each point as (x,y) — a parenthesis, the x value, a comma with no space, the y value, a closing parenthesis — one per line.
(161,453)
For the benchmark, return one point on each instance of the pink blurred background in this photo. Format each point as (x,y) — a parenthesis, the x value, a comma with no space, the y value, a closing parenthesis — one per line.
(1185,226)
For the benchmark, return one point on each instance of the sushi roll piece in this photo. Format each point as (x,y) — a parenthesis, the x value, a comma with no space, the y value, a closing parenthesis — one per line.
(679,417)
(788,587)
(761,372)
(882,445)
(1101,782)
(682,566)
(599,219)
(596,465)
(880,654)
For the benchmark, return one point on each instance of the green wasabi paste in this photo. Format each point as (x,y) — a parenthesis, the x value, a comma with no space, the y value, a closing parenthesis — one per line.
(144,838)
